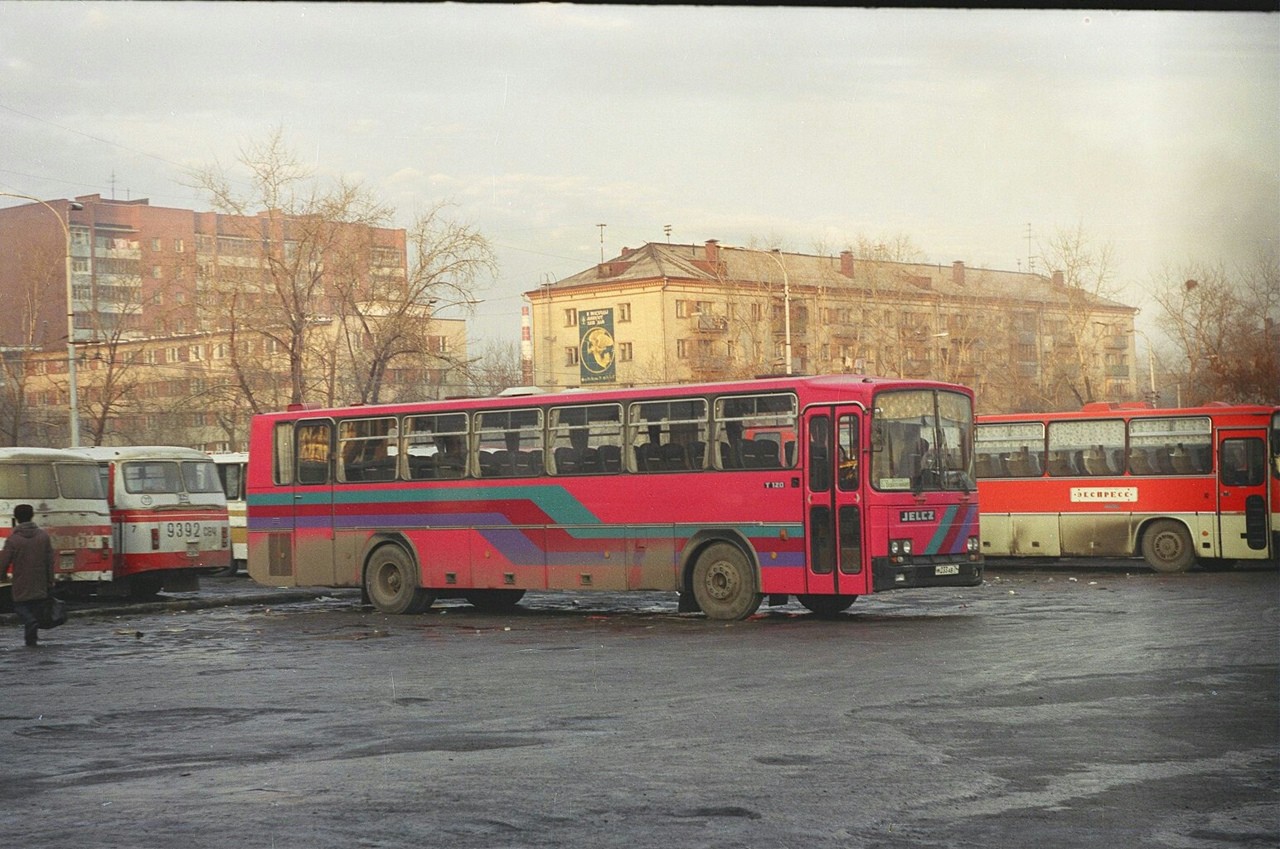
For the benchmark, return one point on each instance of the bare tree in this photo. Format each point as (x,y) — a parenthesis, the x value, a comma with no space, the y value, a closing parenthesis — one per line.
(389,320)
(495,369)
(1225,326)
(295,239)
(20,355)
(1088,281)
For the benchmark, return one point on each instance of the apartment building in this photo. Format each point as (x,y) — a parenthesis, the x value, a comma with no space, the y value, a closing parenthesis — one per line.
(674,313)
(176,319)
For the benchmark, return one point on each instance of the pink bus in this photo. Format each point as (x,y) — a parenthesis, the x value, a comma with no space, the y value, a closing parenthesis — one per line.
(625,489)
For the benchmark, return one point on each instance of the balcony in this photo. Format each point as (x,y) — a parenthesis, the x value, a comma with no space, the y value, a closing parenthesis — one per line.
(710,323)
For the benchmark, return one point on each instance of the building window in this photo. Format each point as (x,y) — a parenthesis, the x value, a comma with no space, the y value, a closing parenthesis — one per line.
(682,349)
(756,311)
(682,309)
(624,312)
(177,246)
(155,244)
(571,356)
(624,352)
(571,319)
(155,272)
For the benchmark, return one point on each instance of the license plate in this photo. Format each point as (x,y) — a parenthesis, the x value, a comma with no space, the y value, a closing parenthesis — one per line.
(947,569)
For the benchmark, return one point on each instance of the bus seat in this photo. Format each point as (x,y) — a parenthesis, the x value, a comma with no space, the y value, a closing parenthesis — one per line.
(673,456)
(730,456)
(1163,462)
(382,469)
(533,463)
(450,466)
(567,460)
(1059,465)
(589,460)
(1138,462)
(422,468)
(1183,464)
(611,458)
(1032,463)
(984,466)
(648,457)
(1095,462)
(698,453)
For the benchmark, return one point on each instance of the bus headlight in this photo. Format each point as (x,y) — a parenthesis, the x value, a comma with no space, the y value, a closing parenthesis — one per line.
(899,547)
(973,545)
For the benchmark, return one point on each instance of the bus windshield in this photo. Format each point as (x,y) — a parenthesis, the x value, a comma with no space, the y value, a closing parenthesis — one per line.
(922,441)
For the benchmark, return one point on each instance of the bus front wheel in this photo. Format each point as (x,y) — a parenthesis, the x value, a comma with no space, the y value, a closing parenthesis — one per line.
(724,583)
(1167,546)
(391,582)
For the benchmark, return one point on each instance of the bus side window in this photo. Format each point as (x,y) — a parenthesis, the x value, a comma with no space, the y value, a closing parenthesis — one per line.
(1243,463)
(820,454)
(313,453)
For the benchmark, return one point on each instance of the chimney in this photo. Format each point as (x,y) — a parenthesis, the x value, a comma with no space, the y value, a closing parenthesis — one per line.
(713,251)
(1057,280)
(846,263)
(957,273)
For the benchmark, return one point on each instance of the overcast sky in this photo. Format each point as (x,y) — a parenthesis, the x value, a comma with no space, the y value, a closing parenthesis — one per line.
(1155,132)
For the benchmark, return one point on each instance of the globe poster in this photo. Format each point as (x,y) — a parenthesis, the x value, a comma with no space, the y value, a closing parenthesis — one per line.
(595,345)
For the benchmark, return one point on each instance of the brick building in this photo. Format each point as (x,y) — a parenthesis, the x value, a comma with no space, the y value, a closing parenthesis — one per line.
(665,313)
(156,292)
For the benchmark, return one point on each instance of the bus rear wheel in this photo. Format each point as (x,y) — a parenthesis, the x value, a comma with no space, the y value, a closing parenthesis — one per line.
(1167,546)
(494,601)
(391,582)
(826,606)
(724,583)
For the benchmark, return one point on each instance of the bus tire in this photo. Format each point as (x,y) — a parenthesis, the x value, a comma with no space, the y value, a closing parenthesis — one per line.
(826,606)
(1167,547)
(391,582)
(724,583)
(494,601)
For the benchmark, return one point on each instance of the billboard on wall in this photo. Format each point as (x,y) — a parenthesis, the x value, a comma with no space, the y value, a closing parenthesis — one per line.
(595,346)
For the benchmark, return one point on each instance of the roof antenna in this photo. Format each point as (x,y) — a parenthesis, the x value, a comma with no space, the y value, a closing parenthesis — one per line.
(602,226)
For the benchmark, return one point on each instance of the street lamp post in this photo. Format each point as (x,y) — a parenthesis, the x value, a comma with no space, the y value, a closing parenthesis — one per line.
(74,400)
(786,309)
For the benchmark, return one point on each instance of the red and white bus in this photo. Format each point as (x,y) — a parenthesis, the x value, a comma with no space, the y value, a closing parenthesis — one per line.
(168,515)
(1174,486)
(629,489)
(64,490)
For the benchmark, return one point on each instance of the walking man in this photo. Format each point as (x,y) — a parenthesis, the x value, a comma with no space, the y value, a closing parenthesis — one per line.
(30,552)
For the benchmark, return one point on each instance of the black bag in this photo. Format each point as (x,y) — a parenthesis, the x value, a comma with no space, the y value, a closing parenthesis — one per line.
(54,613)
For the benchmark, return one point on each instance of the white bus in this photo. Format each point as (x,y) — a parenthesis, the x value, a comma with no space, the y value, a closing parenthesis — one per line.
(168,516)
(70,504)
(231,469)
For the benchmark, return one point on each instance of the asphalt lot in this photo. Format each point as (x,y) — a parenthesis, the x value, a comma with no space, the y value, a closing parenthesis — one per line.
(1077,707)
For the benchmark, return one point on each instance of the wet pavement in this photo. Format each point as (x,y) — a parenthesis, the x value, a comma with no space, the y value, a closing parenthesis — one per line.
(1080,707)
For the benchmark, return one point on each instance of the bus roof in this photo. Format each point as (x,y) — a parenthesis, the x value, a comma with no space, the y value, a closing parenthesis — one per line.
(1098,410)
(43,455)
(831,386)
(144,452)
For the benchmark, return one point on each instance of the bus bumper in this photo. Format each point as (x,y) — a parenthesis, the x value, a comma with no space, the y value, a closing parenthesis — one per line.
(925,572)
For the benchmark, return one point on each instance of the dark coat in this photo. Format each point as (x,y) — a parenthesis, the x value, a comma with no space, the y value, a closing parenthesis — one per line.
(30,552)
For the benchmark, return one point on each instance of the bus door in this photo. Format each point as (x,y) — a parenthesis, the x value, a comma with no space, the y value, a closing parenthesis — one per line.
(833,502)
(312,536)
(1243,512)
